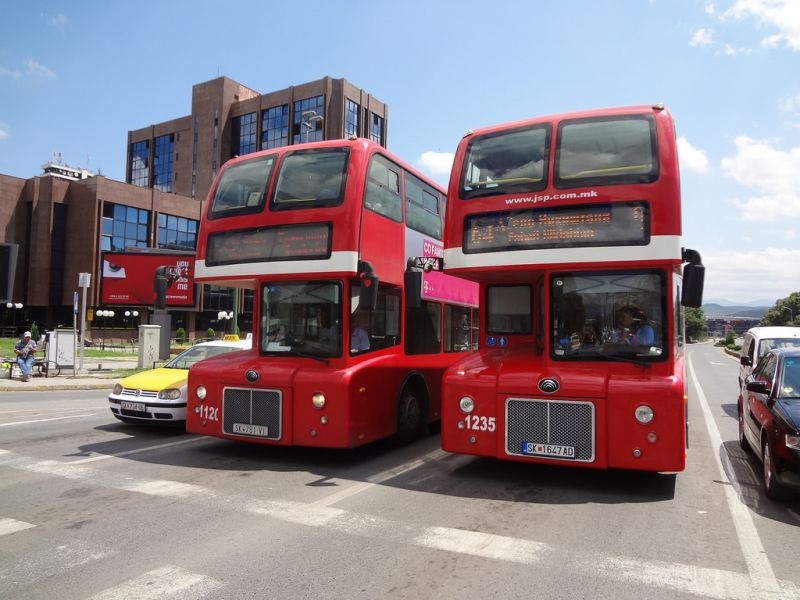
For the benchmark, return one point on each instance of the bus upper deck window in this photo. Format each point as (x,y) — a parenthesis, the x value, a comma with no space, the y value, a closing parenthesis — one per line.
(241,188)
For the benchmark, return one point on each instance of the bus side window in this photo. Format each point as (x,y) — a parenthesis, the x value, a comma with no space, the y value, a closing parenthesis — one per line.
(382,194)
(423,328)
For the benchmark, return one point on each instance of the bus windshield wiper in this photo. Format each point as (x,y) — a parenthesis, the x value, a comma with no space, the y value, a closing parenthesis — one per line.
(636,361)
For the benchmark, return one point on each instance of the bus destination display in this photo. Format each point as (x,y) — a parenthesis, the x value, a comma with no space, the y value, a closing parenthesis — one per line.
(285,242)
(622,223)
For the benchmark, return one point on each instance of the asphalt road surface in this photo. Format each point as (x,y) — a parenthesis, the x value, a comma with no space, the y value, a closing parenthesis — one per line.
(93,508)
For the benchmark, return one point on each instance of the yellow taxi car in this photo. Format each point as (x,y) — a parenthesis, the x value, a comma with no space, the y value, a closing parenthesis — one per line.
(159,395)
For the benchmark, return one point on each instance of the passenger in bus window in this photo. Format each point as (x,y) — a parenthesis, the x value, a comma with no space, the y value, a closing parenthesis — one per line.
(623,328)
(644,335)
(359,324)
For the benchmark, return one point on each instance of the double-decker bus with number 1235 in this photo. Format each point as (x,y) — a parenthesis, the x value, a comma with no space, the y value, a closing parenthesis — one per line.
(322,233)
(571,225)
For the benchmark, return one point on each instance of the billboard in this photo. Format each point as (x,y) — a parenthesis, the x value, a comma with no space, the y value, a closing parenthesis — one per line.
(127,278)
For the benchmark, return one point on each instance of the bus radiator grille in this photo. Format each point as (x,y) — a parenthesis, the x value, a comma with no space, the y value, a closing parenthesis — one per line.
(260,408)
(563,424)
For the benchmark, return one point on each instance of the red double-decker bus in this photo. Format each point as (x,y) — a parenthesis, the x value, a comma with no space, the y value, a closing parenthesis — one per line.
(323,234)
(571,224)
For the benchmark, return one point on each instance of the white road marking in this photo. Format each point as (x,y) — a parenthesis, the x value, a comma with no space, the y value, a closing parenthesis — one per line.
(40,411)
(681,578)
(43,420)
(138,450)
(166,582)
(12,526)
(758,565)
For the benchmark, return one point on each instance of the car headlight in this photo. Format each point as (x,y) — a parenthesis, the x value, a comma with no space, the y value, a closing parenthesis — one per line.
(466,404)
(793,441)
(643,414)
(169,394)
(117,390)
(200,392)
(318,400)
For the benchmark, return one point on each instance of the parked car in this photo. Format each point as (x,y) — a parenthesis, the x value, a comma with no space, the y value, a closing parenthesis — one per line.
(757,341)
(769,419)
(159,395)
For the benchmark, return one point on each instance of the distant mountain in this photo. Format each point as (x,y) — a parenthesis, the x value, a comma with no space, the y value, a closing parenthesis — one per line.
(744,311)
(752,303)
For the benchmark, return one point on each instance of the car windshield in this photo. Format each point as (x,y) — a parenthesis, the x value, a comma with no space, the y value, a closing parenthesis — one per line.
(790,382)
(598,316)
(301,318)
(197,353)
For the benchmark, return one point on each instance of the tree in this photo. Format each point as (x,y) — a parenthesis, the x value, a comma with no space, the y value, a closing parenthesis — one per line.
(696,326)
(785,312)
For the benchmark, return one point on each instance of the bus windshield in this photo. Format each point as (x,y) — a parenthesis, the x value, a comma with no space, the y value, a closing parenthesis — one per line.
(301,318)
(605,314)
(241,188)
(311,178)
(508,162)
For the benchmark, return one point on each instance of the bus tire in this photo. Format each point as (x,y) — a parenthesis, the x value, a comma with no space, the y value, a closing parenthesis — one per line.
(410,414)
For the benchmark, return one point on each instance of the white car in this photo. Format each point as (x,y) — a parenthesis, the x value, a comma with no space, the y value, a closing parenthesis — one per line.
(758,341)
(159,395)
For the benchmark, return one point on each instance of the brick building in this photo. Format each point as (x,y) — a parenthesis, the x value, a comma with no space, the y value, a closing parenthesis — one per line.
(64,219)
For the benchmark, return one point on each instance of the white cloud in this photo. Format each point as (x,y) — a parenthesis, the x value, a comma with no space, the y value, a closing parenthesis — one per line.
(59,21)
(691,159)
(35,68)
(783,15)
(710,10)
(437,163)
(772,174)
(790,104)
(702,37)
(12,73)
(750,275)
(5,131)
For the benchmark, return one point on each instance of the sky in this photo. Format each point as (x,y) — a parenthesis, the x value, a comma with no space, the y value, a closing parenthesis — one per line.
(75,77)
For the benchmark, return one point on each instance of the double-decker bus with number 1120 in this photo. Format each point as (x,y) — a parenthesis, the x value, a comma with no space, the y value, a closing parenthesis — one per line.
(571,225)
(323,233)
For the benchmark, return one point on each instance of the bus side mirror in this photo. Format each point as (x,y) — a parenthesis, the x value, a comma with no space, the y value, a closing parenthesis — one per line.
(368,293)
(413,288)
(694,274)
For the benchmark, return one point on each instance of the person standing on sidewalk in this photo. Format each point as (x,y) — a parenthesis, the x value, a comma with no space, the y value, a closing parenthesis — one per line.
(25,350)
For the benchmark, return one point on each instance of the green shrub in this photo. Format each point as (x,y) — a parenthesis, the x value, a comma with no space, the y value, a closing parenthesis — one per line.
(211,334)
(180,335)
(35,335)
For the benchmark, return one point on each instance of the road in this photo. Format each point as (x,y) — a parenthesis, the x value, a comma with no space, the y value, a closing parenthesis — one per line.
(92,508)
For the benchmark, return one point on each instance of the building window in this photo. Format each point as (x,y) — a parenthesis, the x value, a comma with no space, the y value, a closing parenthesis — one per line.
(376,129)
(140,163)
(275,127)
(162,162)
(176,233)
(245,134)
(350,118)
(123,227)
(301,133)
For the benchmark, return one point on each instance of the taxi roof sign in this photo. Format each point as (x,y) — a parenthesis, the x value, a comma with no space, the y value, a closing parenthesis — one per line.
(230,337)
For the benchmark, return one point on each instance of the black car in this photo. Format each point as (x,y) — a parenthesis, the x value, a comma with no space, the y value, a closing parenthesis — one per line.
(769,419)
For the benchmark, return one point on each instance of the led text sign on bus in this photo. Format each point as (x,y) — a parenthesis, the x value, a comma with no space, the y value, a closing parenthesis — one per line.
(284,242)
(617,224)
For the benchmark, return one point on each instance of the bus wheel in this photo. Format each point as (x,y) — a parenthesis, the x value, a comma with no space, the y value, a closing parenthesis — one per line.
(409,417)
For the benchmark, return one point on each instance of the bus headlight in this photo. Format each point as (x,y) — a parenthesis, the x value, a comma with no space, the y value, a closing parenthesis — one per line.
(466,404)
(318,400)
(200,392)
(169,394)
(643,414)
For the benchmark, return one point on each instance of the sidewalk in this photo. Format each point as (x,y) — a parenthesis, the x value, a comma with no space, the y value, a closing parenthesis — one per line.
(98,373)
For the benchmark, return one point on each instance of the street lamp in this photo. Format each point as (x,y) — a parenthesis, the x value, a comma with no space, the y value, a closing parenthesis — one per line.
(105,314)
(10,306)
(308,117)
(223,316)
(791,315)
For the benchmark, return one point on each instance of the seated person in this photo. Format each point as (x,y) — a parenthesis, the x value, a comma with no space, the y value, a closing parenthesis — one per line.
(359,337)
(644,335)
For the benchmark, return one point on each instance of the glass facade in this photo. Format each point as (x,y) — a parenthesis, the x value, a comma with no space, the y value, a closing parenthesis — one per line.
(376,129)
(123,227)
(314,132)
(245,134)
(140,163)
(164,146)
(275,127)
(176,233)
(351,111)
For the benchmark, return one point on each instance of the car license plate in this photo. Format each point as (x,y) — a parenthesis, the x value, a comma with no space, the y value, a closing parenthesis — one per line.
(134,406)
(534,449)
(247,429)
